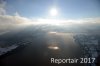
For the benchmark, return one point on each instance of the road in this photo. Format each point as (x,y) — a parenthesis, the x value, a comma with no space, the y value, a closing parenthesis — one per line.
(42,45)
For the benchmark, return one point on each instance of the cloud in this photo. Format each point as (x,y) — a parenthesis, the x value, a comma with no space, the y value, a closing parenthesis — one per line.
(93,20)
(71,21)
(7,19)
(2,7)
(83,21)
(8,22)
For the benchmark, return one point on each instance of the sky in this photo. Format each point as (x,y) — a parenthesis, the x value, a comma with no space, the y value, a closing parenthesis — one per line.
(26,11)
(14,13)
(67,9)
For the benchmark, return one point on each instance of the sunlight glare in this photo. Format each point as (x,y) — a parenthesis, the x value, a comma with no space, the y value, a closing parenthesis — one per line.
(53,12)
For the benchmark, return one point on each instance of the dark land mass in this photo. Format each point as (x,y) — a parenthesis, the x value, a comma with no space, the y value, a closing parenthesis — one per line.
(37,46)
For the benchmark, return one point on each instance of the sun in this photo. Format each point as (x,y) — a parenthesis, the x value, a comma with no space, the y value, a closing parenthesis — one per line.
(53,12)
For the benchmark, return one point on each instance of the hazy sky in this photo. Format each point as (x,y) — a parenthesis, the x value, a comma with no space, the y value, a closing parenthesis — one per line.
(66,8)
(25,12)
